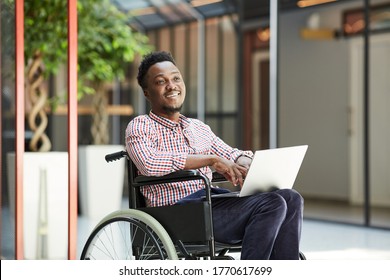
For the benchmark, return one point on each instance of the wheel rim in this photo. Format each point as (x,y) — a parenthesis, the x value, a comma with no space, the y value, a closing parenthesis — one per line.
(123,239)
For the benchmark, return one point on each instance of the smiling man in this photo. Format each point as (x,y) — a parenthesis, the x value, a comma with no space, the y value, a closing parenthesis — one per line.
(166,90)
(164,141)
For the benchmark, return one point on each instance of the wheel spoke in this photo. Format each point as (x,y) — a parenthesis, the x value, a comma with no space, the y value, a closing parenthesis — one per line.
(118,238)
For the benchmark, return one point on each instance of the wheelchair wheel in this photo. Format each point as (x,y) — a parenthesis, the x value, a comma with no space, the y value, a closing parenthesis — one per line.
(129,235)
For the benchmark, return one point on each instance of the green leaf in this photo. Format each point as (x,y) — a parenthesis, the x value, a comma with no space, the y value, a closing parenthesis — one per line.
(106,42)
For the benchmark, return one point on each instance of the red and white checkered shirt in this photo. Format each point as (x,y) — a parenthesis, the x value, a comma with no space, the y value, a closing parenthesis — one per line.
(159,146)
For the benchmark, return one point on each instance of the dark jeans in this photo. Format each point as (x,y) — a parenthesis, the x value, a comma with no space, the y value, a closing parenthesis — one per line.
(268,224)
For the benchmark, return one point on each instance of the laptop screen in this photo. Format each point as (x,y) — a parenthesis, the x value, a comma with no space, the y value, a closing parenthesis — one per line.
(273,168)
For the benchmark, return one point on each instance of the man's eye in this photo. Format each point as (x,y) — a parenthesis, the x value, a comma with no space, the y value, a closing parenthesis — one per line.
(160,82)
(177,79)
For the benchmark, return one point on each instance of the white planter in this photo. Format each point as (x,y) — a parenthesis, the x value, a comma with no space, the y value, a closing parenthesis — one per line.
(45,203)
(100,183)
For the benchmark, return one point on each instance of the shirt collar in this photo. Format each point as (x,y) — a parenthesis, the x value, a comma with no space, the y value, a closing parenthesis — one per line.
(183,121)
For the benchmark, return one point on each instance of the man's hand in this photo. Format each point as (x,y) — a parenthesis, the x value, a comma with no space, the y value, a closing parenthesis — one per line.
(233,172)
(244,161)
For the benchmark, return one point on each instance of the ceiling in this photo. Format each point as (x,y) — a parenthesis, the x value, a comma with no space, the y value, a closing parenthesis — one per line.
(153,14)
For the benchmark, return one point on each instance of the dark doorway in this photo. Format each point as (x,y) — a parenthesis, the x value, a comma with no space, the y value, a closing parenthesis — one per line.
(264,103)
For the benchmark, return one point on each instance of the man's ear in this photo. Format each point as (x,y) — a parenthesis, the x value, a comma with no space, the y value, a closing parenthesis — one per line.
(146,94)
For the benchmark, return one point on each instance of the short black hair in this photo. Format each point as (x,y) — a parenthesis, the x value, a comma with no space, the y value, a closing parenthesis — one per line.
(148,61)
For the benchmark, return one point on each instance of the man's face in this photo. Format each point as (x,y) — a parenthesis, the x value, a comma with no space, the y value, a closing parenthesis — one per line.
(165,89)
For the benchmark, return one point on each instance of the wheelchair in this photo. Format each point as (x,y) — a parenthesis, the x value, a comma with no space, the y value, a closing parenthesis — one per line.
(158,233)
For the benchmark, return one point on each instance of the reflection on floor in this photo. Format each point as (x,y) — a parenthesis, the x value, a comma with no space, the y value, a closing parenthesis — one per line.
(326,240)
(338,211)
(320,240)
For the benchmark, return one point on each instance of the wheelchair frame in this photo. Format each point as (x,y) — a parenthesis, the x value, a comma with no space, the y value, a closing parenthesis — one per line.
(166,232)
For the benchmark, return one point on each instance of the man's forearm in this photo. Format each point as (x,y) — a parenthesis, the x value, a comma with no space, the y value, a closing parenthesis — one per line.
(199,161)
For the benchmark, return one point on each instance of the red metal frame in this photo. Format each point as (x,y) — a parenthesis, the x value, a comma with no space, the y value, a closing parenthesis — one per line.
(19,98)
(72,128)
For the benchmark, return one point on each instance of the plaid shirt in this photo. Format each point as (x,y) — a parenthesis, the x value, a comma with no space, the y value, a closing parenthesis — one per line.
(159,146)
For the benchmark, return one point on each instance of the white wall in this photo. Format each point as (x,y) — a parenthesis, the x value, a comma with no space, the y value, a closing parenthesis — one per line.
(314,88)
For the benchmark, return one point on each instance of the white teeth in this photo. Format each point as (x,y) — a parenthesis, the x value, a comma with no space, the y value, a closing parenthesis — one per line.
(173,95)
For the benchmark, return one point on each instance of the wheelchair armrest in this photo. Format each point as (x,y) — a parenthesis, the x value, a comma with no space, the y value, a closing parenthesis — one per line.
(115,156)
(218,177)
(177,176)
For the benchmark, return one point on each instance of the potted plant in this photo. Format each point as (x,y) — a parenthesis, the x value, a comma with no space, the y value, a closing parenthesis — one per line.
(45,182)
(106,43)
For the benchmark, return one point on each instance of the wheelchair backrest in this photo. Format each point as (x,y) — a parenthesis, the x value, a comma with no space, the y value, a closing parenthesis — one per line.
(136,199)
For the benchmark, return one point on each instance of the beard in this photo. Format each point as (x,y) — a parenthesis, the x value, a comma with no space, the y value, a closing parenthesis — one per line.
(172,110)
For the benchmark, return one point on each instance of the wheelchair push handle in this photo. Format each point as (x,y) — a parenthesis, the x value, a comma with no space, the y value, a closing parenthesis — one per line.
(115,156)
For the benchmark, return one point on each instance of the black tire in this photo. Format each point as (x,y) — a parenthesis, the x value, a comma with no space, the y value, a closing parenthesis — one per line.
(129,235)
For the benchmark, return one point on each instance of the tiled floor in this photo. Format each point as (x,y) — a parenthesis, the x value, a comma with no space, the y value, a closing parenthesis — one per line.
(320,240)
(326,240)
(339,211)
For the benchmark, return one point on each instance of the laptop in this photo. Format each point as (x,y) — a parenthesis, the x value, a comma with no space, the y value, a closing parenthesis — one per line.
(272,169)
